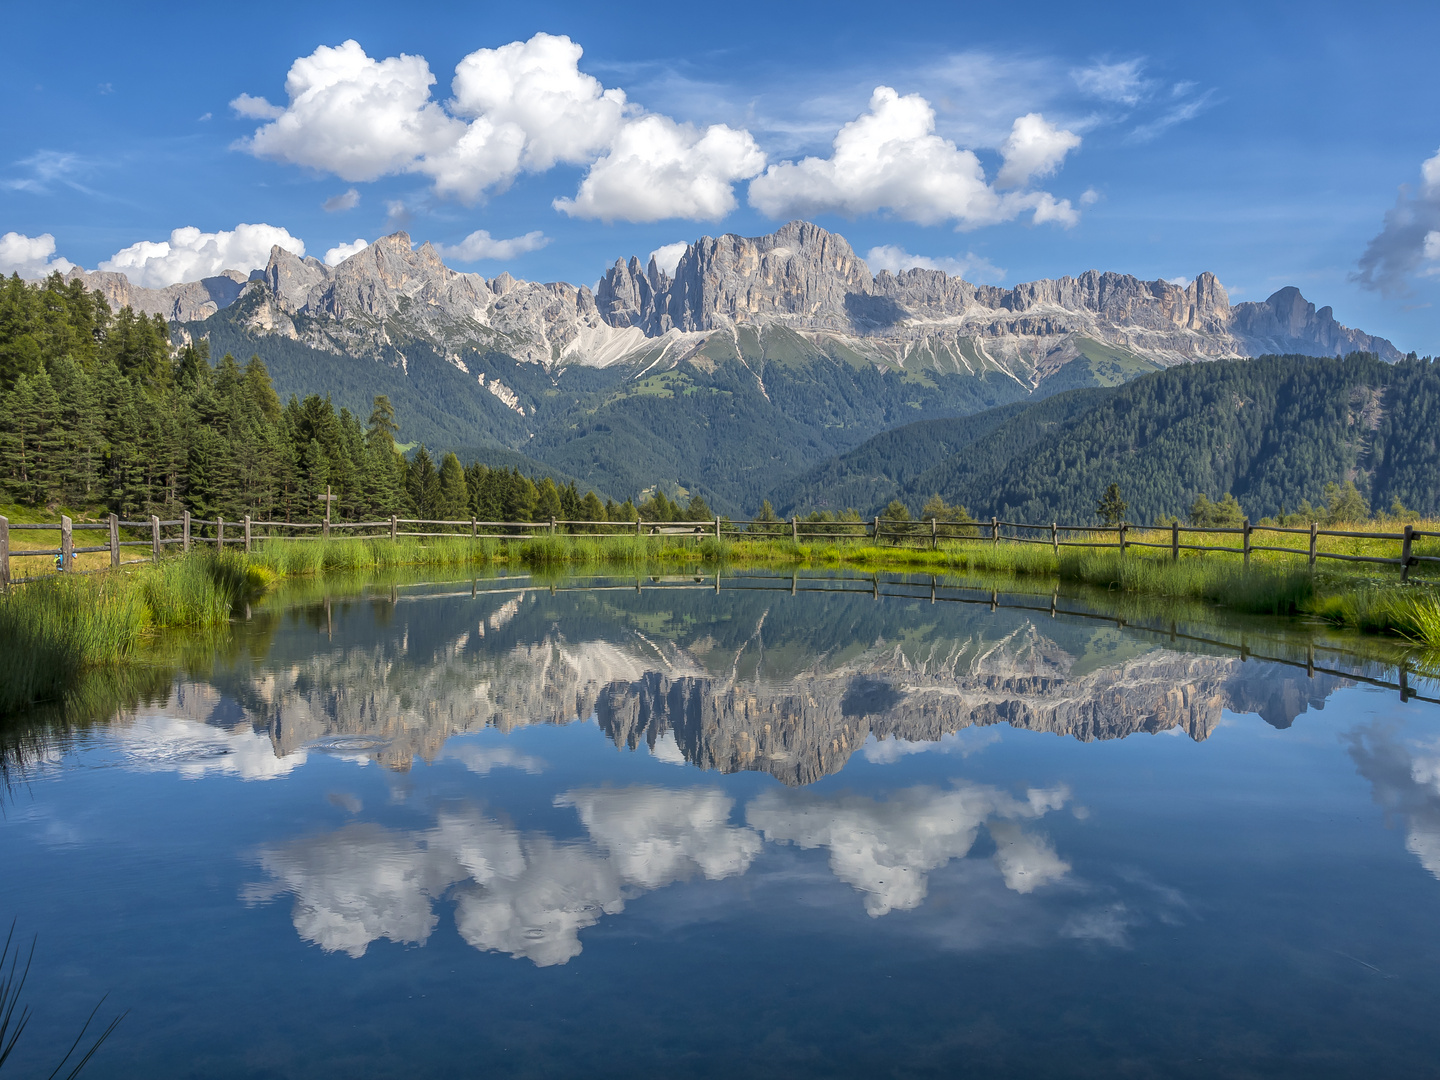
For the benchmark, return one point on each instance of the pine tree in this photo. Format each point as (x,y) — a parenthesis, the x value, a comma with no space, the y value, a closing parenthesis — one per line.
(422,485)
(1345,504)
(570,502)
(80,430)
(547,503)
(454,494)
(521,498)
(20,419)
(591,508)
(1111,507)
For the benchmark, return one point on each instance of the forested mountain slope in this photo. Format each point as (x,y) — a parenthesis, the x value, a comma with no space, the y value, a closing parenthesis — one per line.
(724,422)
(1272,431)
(878,469)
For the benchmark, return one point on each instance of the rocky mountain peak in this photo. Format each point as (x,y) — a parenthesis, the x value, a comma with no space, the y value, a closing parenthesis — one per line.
(800,277)
(800,274)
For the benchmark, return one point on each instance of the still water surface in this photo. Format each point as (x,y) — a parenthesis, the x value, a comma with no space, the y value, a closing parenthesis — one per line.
(808,827)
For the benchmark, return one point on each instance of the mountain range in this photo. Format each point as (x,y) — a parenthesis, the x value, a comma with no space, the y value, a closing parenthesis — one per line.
(757,359)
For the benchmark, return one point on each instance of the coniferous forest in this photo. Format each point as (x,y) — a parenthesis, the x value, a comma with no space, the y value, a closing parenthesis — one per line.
(101,409)
(97,409)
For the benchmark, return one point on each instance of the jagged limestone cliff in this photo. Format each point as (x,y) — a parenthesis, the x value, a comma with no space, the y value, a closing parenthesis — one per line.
(732,291)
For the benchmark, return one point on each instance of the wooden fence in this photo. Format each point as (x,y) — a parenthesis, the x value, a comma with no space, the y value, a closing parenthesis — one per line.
(186,532)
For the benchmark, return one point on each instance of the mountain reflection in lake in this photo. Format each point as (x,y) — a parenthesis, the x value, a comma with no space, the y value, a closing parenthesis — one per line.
(871,826)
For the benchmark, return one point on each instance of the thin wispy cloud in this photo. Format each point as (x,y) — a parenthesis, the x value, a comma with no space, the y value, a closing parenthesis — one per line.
(46,169)
(1179,114)
(1121,83)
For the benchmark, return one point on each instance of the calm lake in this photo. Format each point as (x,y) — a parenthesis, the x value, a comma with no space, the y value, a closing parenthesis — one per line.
(820,825)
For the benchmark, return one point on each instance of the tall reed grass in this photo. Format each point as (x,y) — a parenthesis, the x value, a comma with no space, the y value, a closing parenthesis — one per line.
(54,630)
(1409,613)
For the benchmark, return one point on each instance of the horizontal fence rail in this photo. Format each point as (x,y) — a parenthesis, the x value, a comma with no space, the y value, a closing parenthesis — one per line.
(187,532)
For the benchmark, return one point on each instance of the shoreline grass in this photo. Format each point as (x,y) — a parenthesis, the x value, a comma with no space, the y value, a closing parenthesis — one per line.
(56,629)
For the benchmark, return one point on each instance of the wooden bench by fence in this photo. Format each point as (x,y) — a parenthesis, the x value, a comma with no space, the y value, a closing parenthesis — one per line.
(187,531)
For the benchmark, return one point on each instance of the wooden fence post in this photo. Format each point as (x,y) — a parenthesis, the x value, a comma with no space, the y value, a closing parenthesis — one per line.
(637,533)
(794,528)
(1313,526)
(934,534)
(185,532)
(552,526)
(1405,553)
(219,533)
(1175,540)
(114,540)
(67,545)
(394,522)
(1120,531)
(876,529)
(1055,538)
(717,528)
(1246,535)
(4,552)
(994,532)
(473,530)
(247,534)
(155,537)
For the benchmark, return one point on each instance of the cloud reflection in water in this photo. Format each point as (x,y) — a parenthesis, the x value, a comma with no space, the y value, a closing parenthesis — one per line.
(1405,779)
(524,894)
(529,895)
(886,849)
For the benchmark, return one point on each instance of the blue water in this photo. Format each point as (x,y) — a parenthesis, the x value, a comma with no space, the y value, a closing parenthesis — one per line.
(690,833)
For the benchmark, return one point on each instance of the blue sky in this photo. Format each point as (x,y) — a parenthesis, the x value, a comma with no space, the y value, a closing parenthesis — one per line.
(1266,143)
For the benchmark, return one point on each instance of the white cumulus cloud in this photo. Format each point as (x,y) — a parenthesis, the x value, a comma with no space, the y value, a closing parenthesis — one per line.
(1409,242)
(340,252)
(537,88)
(190,254)
(656,168)
(890,158)
(969,266)
(352,116)
(256,108)
(667,256)
(522,107)
(1035,148)
(30,256)
(481,245)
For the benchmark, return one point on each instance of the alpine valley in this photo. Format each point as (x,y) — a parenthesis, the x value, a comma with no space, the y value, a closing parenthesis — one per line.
(759,359)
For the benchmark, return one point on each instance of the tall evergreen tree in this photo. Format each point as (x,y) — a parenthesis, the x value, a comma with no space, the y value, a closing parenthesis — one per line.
(454,496)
